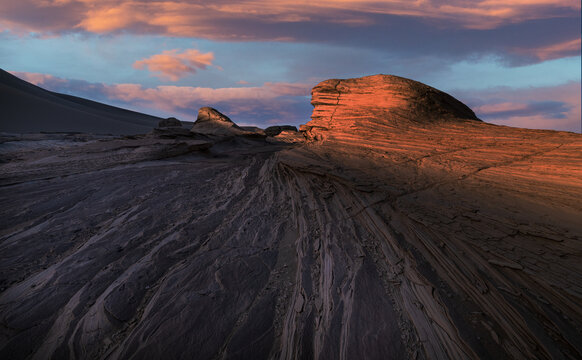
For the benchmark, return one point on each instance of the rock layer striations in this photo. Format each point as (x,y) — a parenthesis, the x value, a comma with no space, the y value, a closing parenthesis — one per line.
(378,102)
(399,227)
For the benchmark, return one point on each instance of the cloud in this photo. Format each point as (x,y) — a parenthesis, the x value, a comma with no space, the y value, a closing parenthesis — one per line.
(40,79)
(551,107)
(187,98)
(281,103)
(173,65)
(553,51)
(183,18)
(534,30)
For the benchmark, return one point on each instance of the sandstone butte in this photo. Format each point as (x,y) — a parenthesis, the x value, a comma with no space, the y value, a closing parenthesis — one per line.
(394,225)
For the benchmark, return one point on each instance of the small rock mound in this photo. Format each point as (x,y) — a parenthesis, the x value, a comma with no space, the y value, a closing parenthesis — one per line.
(169,122)
(254,131)
(211,115)
(212,121)
(276,130)
(171,128)
(374,102)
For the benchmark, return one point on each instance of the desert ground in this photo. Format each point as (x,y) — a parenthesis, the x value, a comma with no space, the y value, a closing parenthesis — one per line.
(393,225)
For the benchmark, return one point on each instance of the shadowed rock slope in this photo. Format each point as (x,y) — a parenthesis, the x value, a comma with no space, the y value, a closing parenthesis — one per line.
(27,108)
(401,227)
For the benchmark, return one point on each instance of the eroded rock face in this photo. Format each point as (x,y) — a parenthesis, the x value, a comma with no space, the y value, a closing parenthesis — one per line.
(378,102)
(212,121)
(210,115)
(394,238)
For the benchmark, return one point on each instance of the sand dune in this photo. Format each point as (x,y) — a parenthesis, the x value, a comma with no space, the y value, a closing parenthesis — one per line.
(27,108)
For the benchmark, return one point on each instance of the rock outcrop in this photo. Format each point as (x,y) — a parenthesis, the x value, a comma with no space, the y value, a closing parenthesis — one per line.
(213,122)
(276,130)
(255,130)
(169,122)
(380,102)
(401,227)
(171,128)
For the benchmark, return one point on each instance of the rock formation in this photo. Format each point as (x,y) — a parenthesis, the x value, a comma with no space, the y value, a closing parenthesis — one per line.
(254,129)
(171,128)
(400,227)
(276,130)
(212,121)
(383,99)
(169,122)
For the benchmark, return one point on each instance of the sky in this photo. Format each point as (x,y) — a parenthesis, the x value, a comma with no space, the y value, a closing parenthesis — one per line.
(514,62)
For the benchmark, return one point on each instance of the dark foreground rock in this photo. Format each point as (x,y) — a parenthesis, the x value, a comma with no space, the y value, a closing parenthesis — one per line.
(379,238)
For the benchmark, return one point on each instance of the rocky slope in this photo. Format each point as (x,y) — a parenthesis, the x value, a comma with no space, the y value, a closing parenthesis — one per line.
(398,226)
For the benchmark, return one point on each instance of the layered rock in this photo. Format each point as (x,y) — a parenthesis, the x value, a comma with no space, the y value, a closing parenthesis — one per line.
(379,102)
(212,121)
(396,237)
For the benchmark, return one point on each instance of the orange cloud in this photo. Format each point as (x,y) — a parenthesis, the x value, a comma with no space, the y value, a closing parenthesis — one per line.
(106,19)
(278,102)
(554,51)
(172,65)
(171,97)
(500,107)
(552,107)
(208,19)
(251,103)
(39,79)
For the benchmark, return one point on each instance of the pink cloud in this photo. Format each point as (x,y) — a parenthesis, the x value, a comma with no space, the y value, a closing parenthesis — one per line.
(257,103)
(184,18)
(173,65)
(249,105)
(488,14)
(171,97)
(554,51)
(39,79)
(551,107)
(520,31)
(499,107)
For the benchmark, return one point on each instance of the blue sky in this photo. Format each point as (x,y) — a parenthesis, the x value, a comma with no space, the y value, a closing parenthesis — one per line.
(256,61)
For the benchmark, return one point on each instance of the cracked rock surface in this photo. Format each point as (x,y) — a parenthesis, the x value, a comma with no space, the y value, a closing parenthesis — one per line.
(399,227)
